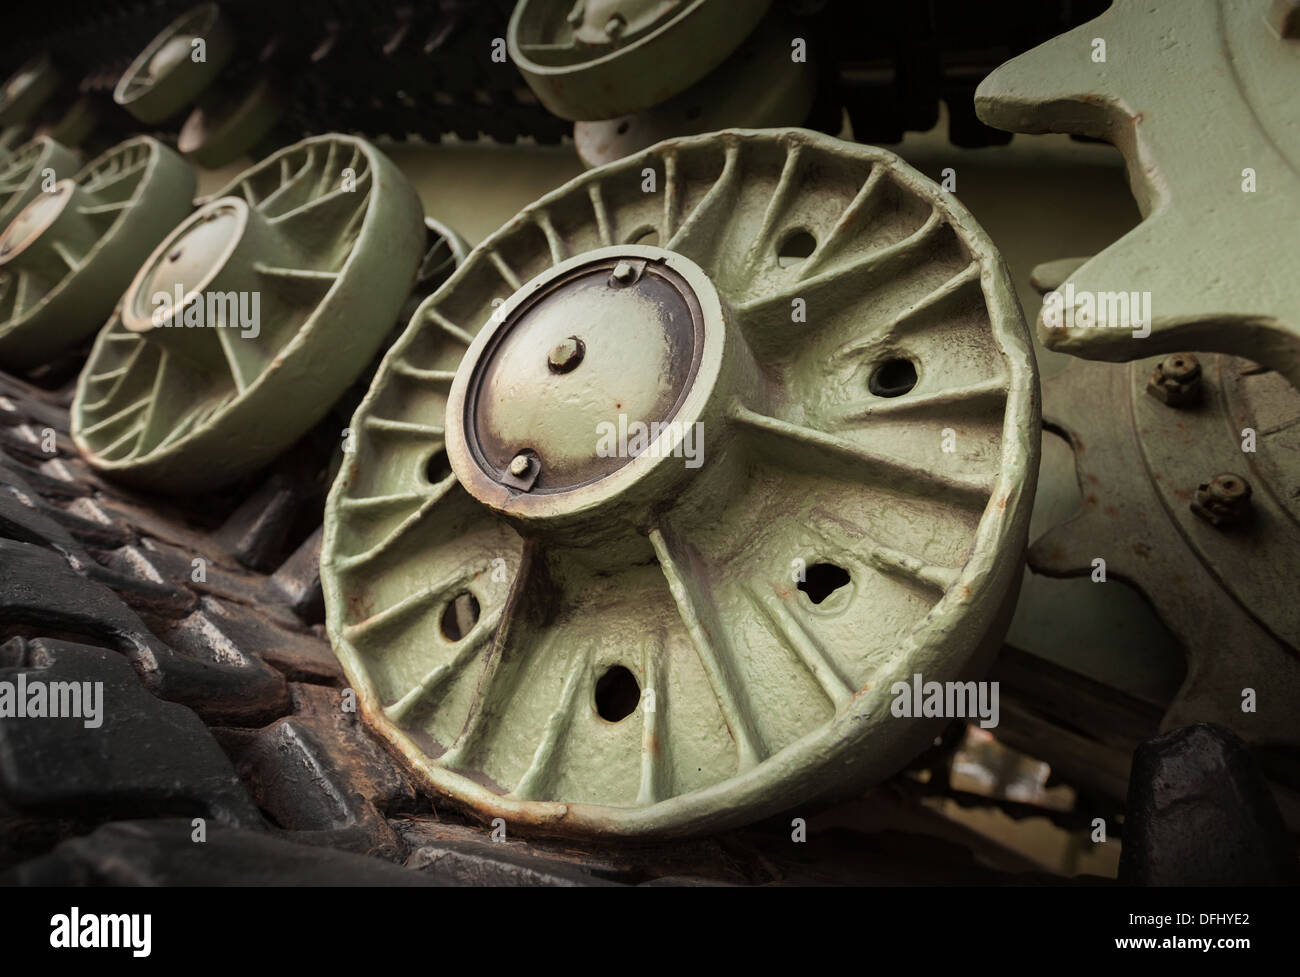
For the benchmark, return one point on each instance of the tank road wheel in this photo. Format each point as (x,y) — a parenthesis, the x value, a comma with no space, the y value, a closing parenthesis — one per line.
(659,495)
(232,124)
(27,89)
(168,74)
(758,87)
(598,59)
(251,318)
(68,254)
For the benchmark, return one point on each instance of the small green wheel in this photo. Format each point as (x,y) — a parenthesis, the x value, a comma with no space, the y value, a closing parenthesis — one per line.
(224,127)
(27,90)
(660,497)
(75,125)
(597,59)
(758,87)
(67,255)
(251,318)
(177,66)
(42,161)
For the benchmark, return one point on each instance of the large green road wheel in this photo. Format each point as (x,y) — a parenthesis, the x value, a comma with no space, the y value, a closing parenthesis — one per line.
(590,627)
(68,254)
(169,74)
(597,59)
(27,171)
(251,318)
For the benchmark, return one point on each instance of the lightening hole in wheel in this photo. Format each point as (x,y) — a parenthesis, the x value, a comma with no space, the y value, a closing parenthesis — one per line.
(795,247)
(892,378)
(437,467)
(617,694)
(459,616)
(647,235)
(823,579)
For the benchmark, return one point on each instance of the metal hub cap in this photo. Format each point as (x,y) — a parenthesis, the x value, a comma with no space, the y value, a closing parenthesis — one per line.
(617,337)
(36,218)
(22,174)
(635,539)
(188,259)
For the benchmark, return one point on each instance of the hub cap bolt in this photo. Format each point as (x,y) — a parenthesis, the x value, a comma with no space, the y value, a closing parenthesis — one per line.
(566,355)
(624,273)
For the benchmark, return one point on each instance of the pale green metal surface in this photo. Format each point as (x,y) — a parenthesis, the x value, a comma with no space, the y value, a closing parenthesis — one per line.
(759,86)
(27,90)
(65,259)
(164,78)
(598,59)
(225,127)
(330,257)
(474,473)
(1227,593)
(1193,93)
(22,174)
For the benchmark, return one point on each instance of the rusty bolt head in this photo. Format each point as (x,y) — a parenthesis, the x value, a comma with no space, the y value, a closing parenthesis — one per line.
(1223,501)
(1176,380)
(519,466)
(566,355)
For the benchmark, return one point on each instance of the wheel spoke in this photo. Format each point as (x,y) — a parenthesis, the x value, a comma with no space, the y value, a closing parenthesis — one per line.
(715,653)
(245,360)
(809,649)
(298,286)
(703,226)
(326,216)
(539,776)
(814,450)
(786,186)
(293,190)
(440,491)
(864,271)
(930,309)
(974,398)
(438,378)
(553,240)
(493,686)
(849,227)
